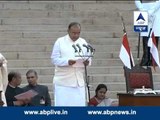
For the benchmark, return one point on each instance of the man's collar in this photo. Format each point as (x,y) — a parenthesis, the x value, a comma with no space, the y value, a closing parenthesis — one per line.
(11,86)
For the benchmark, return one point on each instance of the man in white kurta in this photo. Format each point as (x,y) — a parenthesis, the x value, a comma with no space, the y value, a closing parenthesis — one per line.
(3,77)
(69,84)
(153,9)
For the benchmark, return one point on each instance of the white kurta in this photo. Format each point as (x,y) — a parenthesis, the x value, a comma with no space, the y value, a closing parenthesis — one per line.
(68,76)
(3,77)
(153,9)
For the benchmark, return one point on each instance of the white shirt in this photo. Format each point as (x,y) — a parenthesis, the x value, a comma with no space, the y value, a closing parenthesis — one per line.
(67,75)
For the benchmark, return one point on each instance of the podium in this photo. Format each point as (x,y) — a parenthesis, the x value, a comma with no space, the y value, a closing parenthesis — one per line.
(128,99)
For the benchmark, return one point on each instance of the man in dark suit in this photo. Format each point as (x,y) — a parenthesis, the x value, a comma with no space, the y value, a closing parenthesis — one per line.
(43,97)
(14,80)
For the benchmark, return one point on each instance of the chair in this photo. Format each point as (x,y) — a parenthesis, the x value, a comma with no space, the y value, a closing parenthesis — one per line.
(137,77)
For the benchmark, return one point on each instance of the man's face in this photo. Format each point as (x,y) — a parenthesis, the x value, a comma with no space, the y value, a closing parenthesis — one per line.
(18,80)
(74,32)
(32,78)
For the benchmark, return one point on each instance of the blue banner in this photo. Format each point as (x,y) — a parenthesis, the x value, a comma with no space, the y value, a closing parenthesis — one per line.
(79,113)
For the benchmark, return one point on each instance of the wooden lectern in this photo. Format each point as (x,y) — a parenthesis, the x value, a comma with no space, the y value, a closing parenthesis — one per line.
(128,99)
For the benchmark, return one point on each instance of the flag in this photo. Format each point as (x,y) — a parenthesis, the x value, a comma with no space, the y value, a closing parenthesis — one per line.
(154,50)
(125,53)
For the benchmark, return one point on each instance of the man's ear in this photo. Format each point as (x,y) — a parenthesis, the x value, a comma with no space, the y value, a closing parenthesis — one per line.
(13,78)
(68,30)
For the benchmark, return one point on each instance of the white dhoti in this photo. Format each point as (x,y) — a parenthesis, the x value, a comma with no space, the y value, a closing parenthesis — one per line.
(69,96)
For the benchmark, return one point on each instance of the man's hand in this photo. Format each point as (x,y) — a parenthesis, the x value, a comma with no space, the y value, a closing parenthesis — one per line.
(71,62)
(27,101)
(18,102)
(1,103)
(22,102)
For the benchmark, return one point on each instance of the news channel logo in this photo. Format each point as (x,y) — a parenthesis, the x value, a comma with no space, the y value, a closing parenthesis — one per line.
(140,21)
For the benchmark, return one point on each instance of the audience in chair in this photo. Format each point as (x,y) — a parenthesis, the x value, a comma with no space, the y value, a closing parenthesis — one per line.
(100,98)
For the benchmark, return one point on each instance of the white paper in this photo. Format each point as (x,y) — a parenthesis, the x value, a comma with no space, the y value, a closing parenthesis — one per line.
(79,63)
(25,95)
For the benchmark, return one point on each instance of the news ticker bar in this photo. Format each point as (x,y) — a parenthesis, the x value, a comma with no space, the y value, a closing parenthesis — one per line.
(80,113)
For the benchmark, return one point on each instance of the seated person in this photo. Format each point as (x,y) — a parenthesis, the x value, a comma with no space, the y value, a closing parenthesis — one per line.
(14,80)
(100,98)
(43,97)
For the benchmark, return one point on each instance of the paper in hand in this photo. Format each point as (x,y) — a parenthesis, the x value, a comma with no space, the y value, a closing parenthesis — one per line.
(79,63)
(26,95)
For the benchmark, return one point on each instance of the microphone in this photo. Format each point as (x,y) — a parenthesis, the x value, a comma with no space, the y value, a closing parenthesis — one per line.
(84,45)
(75,48)
(91,48)
(79,47)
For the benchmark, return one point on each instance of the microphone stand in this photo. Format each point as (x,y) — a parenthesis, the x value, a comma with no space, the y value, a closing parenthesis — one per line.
(87,81)
(87,78)
(92,51)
